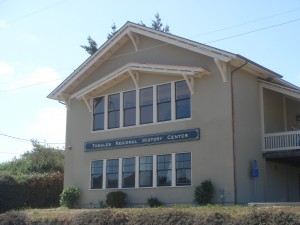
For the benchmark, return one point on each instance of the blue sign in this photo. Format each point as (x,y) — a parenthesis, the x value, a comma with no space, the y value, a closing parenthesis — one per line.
(142,140)
(254,169)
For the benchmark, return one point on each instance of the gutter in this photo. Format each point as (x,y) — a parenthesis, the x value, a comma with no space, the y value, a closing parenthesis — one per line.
(233,129)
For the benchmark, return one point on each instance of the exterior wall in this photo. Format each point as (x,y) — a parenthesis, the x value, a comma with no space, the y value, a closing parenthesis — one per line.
(273,111)
(211,112)
(247,137)
(282,183)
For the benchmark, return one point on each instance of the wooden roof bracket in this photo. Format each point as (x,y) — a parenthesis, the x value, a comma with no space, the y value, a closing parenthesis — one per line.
(66,100)
(134,39)
(87,102)
(222,68)
(135,78)
(190,83)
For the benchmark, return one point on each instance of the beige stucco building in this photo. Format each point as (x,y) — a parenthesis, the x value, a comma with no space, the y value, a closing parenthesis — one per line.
(153,114)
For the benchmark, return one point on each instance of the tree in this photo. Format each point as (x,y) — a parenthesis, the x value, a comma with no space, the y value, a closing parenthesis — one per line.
(156,25)
(42,159)
(113,32)
(92,47)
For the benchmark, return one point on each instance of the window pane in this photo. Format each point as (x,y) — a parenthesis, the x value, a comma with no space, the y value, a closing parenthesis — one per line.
(183,109)
(128,172)
(146,96)
(146,114)
(99,105)
(182,90)
(129,99)
(113,102)
(183,169)
(146,171)
(114,119)
(129,117)
(183,106)
(96,174)
(112,171)
(164,111)
(164,93)
(164,170)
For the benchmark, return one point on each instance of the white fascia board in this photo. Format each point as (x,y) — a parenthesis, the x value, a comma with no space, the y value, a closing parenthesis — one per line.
(153,68)
(280,89)
(183,43)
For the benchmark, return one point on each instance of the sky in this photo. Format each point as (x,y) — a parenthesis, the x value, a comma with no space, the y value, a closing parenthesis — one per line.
(40,46)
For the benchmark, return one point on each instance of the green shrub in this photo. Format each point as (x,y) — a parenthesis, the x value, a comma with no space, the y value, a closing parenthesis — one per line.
(154,202)
(13,218)
(102,216)
(69,197)
(204,192)
(117,199)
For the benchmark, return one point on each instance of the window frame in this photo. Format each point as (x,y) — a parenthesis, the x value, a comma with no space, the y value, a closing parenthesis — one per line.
(181,100)
(113,111)
(125,108)
(163,102)
(131,172)
(91,174)
(140,171)
(184,168)
(164,170)
(109,173)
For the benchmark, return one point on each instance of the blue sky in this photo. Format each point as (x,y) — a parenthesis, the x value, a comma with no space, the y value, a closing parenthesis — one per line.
(40,46)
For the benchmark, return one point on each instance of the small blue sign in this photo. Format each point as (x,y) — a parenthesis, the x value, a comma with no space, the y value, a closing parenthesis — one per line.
(142,140)
(255,172)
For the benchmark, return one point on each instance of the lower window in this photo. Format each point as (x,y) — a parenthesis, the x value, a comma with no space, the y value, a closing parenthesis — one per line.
(146,171)
(112,173)
(96,174)
(128,173)
(183,169)
(164,170)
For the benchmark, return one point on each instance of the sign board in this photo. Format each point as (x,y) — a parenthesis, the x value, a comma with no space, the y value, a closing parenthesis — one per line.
(254,169)
(142,140)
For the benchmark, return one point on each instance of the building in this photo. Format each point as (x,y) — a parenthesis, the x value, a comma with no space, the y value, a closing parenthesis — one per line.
(154,114)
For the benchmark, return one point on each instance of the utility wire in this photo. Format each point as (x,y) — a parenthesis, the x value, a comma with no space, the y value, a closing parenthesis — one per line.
(34,12)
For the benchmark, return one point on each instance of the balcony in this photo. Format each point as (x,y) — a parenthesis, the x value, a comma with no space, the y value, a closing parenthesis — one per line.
(282,141)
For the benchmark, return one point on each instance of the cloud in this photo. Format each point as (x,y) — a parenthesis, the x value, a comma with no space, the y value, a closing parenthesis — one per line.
(6,69)
(3,24)
(30,37)
(50,125)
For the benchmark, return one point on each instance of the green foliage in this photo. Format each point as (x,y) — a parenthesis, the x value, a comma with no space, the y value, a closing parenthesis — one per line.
(157,24)
(39,190)
(113,32)
(14,218)
(42,159)
(204,192)
(69,197)
(92,47)
(117,199)
(103,216)
(154,202)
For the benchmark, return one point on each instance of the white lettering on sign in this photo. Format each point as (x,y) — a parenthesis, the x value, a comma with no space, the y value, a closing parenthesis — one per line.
(151,139)
(177,136)
(128,142)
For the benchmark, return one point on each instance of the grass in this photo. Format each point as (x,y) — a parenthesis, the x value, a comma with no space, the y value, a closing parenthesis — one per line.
(175,215)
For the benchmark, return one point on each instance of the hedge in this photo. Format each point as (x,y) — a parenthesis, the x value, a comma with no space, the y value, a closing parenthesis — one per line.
(34,191)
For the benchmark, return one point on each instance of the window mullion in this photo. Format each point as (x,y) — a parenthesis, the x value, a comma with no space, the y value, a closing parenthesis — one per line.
(121,110)
(173,163)
(154,170)
(105,112)
(120,182)
(104,175)
(173,108)
(137,168)
(154,103)
(137,109)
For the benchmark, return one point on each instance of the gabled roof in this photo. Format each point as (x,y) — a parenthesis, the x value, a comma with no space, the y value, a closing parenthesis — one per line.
(131,31)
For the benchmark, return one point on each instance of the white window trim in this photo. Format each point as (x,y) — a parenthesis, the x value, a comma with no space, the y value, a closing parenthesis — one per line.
(155,122)
(154,171)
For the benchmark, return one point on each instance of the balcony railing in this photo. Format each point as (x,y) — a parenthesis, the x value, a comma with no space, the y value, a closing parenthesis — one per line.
(282,141)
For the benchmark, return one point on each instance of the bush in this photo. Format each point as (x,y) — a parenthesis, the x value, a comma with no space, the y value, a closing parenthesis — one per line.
(13,217)
(154,202)
(103,216)
(69,197)
(117,199)
(204,192)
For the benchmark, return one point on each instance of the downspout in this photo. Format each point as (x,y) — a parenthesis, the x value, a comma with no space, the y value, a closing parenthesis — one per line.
(233,130)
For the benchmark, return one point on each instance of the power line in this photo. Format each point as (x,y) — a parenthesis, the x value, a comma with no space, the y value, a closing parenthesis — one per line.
(34,12)
(253,31)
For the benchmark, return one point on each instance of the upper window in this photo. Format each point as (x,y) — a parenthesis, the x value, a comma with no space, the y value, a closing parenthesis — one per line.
(112,173)
(164,102)
(128,172)
(164,170)
(183,169)
(114,111)
(96,174)
(146,105)
(183,98)
(146,171)
(98,114)
(129,106)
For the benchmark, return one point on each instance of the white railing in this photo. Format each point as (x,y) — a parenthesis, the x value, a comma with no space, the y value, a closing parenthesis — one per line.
(289,140)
